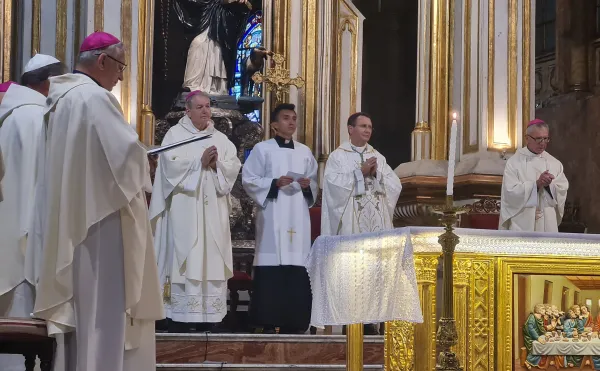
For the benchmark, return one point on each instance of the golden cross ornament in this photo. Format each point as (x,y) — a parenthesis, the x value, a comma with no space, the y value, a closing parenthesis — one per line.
(292,233)
(278,79)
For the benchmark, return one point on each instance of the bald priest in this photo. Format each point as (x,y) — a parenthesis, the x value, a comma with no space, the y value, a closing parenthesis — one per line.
(99,280)
(534,186)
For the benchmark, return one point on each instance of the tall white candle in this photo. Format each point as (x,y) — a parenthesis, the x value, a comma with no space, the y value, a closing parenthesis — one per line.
(452,156)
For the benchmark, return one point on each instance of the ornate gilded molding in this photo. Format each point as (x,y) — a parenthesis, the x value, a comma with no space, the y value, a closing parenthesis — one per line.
(399,352)
(526,92)
(439,78)
(99,15)
(490,73)
(537,265)
(36,12)
(466,114)
(310,40)
(7,38)
(145,118)
(126,24)
(61,30)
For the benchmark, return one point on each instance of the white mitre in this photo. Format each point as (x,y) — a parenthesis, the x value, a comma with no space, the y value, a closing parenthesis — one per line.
(38,61)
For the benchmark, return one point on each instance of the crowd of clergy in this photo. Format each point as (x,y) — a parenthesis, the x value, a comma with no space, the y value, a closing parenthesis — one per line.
(81,249)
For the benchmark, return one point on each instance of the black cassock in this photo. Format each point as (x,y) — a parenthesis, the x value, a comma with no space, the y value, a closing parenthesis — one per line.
(281,294)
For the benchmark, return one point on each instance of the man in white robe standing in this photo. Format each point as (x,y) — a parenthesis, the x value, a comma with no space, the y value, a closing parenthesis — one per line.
(534,186)
(360,189)
(21,126)
(190,209)
(99,277)
(280,175)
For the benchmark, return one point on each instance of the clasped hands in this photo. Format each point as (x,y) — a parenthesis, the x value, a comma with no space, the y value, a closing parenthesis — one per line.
(286,180)
(210,157)
(544,180)
(369,167)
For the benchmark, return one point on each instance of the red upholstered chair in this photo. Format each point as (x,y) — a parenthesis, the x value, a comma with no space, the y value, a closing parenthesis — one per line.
(315,222)
(484,214)
(28,337)
(241,281)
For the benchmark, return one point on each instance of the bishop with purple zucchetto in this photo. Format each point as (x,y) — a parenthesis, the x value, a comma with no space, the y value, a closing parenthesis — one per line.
(99,281)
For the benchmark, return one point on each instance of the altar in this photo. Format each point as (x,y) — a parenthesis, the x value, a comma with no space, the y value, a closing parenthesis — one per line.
(499,276)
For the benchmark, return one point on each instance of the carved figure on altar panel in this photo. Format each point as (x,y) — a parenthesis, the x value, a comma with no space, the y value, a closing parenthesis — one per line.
(533,330)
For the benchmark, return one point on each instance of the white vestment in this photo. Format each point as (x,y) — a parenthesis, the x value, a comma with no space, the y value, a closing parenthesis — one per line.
(190,208)
(98,275)
(282,224)
(353,203)
(21,123)
(205,69)
(523,206)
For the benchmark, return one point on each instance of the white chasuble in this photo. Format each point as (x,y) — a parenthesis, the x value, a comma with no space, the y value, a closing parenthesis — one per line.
(190,210)
(524,207)
(282,223)
(96,174)
(353,203)
(21,123)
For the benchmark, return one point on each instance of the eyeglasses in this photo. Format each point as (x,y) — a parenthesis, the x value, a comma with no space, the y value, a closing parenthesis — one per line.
(122,65)
(540,140)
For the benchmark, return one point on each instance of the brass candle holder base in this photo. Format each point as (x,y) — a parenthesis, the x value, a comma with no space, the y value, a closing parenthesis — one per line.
(446,336)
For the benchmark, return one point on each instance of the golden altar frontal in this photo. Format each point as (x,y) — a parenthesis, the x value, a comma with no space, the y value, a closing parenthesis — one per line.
(489,269)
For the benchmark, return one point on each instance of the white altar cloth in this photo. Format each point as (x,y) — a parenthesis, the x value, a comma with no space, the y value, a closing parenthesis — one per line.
(561,348)
(366,278)
(369,278)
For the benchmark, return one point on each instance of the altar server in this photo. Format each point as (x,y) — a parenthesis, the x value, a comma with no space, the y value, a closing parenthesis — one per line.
(98,277)
(281,177)
(190,207)
(534,186)
(21,126)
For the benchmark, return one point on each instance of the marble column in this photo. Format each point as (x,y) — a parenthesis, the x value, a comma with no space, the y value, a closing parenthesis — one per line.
(479,63)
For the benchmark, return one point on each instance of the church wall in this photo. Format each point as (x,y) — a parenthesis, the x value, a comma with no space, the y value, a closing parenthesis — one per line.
(575,141)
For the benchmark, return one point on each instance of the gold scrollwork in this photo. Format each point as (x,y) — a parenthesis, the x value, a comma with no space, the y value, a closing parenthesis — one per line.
(399,350)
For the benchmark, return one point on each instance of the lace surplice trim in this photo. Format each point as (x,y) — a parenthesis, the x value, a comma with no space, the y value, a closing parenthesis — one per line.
(207,304)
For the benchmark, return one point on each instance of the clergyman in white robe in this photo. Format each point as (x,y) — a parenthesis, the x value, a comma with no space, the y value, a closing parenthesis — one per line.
(281,293)
(523,206)
(190,208)
(98,277)
(353,203)
(21,123)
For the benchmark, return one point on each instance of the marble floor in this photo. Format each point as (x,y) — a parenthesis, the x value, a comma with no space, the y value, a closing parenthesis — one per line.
(178,352)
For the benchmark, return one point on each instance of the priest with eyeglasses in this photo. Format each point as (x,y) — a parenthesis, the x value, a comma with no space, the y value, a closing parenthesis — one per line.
(534,187)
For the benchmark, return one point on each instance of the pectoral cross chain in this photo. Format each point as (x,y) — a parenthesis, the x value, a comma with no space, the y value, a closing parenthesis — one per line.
(292,233)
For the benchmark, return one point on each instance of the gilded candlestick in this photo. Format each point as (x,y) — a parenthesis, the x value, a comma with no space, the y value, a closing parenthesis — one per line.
(446,336)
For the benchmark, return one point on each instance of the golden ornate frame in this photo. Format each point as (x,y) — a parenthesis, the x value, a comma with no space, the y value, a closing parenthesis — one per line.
(507,267)
(485,284)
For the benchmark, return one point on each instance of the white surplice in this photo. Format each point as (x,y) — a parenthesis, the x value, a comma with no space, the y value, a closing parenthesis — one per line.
(21,124)
(190,209)
(282,224)
(96,225)
(524,207)
(353,203)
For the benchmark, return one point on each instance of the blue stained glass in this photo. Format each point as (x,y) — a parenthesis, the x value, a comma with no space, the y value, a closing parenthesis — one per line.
(252,38)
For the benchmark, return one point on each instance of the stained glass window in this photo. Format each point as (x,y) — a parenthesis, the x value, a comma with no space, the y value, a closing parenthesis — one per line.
(252,38)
